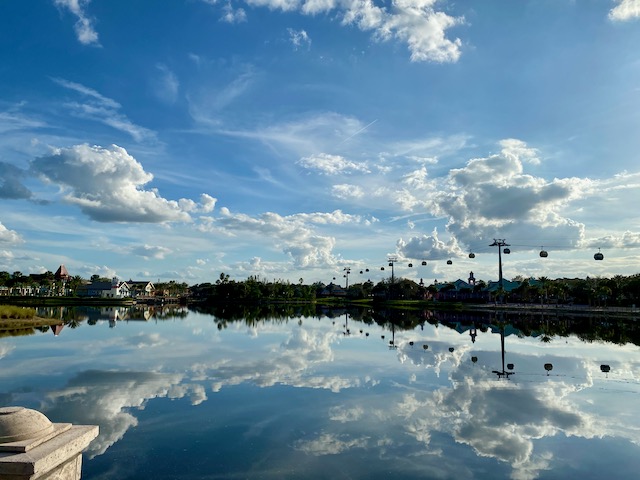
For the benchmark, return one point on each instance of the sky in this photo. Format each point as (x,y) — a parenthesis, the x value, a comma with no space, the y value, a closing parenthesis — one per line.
(291,139)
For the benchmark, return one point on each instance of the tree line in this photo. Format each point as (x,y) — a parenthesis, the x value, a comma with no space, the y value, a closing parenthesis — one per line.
(619,290)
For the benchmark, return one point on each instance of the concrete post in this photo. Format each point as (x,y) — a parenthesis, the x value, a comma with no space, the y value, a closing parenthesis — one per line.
(31,447)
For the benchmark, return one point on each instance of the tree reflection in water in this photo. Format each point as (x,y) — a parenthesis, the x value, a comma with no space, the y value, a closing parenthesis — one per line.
(309,387)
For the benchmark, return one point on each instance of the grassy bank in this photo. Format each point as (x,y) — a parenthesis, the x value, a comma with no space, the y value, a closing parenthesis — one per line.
(16,321)
(64,301)
(13,312)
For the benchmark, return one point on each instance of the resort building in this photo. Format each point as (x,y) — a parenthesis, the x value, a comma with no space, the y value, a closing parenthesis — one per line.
(113,289)
(141,289)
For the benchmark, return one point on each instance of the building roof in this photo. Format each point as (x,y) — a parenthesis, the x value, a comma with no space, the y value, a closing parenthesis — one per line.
(100,285)
(61,273)
(457,285)
(333,289)
(96,286)
(142,283)
(507,285)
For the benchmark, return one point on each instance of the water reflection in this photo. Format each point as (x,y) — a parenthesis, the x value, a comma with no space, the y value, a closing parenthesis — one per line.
(74,316)
(503,373)
(398,392)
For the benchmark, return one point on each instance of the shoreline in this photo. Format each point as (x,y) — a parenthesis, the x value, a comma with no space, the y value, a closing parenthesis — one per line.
(516,308)
(65,301)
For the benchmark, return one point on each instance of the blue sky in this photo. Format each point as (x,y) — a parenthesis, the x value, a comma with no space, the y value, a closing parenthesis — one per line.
(291,139)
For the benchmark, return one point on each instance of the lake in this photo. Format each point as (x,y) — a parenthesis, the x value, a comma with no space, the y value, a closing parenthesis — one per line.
(336,394)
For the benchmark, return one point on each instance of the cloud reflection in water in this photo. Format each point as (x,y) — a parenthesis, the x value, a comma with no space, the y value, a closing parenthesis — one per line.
(410,405)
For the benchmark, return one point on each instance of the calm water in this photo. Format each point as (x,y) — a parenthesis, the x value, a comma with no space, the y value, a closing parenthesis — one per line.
(192,396)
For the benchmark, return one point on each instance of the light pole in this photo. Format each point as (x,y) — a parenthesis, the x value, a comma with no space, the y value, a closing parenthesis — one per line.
(499,242)
(392,259)
(347,271)
(503,373)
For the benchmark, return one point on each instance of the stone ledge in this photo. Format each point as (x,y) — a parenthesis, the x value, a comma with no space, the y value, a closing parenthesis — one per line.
(41,459)
(26,445)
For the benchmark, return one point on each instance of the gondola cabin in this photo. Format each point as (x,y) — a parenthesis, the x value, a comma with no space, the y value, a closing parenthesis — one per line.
(449,262)
(410,265)
(424,262)
(506,251)
(544,254)
(472,255)
(598,256)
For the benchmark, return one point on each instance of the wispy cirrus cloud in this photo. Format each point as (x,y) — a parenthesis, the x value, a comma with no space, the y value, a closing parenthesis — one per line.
(207,103)
(318,132)
(165,85)
(99,108)
(84,28)
(12,120)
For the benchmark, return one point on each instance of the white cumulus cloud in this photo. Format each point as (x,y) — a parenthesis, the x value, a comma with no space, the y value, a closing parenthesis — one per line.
(414,22)
(331,164)
(296,235)
(625,10)
(494,193)
(346,191)
(106,183)
(299,38)
(233,15)
(151,251)
(106,399)
(9,236)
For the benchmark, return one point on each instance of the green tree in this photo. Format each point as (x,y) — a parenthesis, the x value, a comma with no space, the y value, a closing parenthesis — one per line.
(75,282)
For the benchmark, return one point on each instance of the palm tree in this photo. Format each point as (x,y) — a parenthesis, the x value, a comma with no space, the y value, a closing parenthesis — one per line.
(544,289)
(603,292)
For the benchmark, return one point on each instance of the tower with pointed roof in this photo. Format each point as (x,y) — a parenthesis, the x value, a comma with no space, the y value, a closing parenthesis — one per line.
(62,273)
